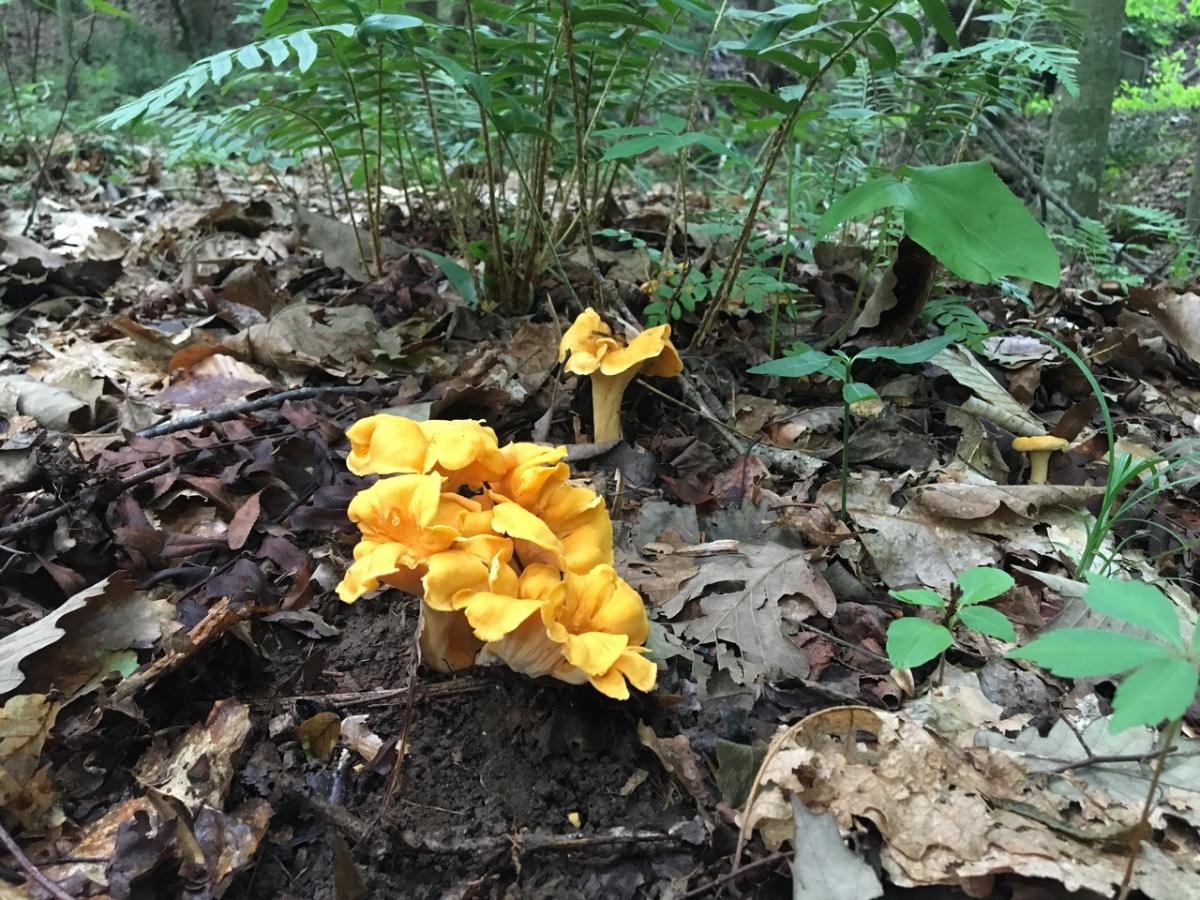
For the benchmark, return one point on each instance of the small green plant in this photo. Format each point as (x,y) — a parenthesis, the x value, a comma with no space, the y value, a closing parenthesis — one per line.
(1129,483)
(1163,671)
(913,641)
(839,366)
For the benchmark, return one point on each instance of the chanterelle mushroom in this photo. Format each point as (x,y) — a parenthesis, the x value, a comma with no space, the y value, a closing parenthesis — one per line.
(1039,449)
(590,348)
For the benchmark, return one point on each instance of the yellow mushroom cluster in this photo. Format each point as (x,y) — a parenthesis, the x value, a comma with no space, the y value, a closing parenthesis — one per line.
(511,561)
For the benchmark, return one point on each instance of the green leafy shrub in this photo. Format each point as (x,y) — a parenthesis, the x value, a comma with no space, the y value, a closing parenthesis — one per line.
(1161,673)
(913,641)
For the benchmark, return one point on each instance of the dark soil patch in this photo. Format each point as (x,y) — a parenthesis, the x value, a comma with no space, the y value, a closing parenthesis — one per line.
(506,755)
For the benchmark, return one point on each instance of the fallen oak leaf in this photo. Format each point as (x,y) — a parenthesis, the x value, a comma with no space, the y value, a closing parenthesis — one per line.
(110,615)
(738,598)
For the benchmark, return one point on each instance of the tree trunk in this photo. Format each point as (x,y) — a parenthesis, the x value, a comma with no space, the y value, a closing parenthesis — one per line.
(1077,150)
(1193,205)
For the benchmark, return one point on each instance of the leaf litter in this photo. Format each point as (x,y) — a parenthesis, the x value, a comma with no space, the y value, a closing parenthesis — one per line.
(188,707)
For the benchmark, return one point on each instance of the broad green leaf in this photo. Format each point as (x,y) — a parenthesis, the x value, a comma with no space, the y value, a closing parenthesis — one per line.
(912,641)
(384,24)
(915,32)
(866,198)
(920,597)
(1159,690)
(910,355)
(458,277)
(939,18)
(610,15)
(103,6)
(795,366)
(1136,603)
(983,583)
(274,13)
(879,41)
(856,392)
(1088,652)
(740,89)
(977,228)
(305,47)
(988,621)
(964,215)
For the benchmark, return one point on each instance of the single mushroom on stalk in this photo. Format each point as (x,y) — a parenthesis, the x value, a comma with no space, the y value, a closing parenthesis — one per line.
(1040,448)
(590,348)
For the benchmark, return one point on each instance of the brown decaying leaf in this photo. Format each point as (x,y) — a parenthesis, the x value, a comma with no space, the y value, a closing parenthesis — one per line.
(678,758)
(953,816)
(747,617)
(200,768)
(1178,315)
(26,794)
(243,521)
(66,648)
(319,734)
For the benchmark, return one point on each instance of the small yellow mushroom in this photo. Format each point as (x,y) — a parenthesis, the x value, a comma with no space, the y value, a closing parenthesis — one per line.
(590,348)
(1039,449)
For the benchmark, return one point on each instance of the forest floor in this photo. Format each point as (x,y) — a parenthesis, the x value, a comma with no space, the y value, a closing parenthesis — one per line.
(191,711)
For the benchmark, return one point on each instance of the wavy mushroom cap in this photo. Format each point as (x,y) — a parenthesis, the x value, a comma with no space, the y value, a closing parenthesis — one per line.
(587,341)
(404,521)
(589,346)
(532,471)
(569,529)
(1041,442)
(465,451)
(577,628)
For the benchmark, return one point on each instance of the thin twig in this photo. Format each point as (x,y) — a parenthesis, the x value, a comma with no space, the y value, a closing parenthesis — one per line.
(25,863)
(728,877)
(1142,828)
(233,410)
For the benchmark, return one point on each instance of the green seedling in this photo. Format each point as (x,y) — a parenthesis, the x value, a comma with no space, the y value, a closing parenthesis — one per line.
(913,641)
(840,367)
(1161,673)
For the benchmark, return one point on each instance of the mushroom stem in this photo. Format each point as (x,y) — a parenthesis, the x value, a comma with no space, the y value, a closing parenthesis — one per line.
(607,392)
(1039,461)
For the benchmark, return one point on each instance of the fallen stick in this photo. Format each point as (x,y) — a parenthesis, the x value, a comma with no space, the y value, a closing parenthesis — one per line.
(51,887)
(233,410)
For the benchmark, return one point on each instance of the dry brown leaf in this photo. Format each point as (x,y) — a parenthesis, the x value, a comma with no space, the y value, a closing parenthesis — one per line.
(305,337)
(243,521)
(680,760)
(200,768)
(1178,315)
(26,794)
(319,734)
(737,608)
(358,736)
(956,816)
(212,380)
(110,615)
